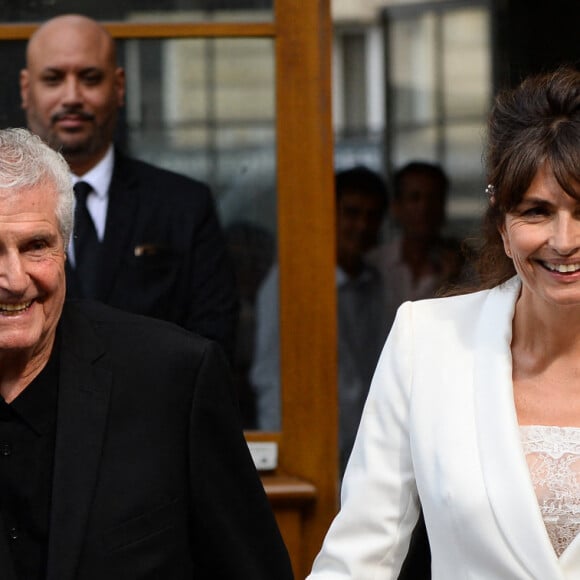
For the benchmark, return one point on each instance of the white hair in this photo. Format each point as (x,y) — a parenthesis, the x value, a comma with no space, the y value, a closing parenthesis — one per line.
(26,161)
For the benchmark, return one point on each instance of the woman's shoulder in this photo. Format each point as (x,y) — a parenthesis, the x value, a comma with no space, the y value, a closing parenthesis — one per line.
(466,306)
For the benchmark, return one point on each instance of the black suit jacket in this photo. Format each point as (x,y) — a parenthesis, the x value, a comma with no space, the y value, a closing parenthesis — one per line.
(164,253)
(152,476)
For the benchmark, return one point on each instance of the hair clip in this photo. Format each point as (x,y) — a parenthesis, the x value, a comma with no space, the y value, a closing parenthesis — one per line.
(490,192)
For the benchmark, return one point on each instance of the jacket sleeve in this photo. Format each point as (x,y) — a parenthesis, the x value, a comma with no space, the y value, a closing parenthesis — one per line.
(234,533)
(214,297)
(369,538)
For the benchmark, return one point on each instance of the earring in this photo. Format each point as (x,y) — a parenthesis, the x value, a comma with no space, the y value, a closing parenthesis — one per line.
(490,192)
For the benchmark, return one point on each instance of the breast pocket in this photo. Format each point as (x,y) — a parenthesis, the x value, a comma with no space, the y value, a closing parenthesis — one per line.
(147,528)
(152,257)
(148,282)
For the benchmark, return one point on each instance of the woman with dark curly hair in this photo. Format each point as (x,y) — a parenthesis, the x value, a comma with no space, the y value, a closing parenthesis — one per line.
(474,410)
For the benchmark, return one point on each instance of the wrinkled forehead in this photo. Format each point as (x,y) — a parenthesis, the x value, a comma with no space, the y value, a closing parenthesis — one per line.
(41,196)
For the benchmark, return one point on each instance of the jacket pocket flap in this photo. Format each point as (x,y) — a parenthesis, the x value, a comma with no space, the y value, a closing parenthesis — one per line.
(144,526)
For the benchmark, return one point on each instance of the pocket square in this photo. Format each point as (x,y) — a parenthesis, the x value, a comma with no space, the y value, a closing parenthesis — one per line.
(150,250)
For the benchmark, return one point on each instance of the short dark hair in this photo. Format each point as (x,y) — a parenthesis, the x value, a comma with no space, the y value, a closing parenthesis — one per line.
(361,179)
(425,167)
(537,122)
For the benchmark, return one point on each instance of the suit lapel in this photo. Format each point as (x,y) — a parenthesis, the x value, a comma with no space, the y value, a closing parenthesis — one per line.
(505,471)
(122,208)
(570,559)
(85,381)
(72,281)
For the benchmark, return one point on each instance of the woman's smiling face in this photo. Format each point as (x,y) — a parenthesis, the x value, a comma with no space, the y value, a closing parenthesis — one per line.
(542,237)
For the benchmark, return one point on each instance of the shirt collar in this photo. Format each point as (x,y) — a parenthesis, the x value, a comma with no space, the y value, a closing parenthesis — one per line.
(99,177)
(36,404)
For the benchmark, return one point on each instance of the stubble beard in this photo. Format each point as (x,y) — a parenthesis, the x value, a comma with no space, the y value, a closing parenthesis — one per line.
(78,148)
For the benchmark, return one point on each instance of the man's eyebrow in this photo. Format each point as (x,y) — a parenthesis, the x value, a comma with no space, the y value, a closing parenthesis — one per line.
(41,234)
(91,69)
(60,70)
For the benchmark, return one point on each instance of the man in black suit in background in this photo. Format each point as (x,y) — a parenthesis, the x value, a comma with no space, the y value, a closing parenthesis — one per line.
(122,454)
(160,249)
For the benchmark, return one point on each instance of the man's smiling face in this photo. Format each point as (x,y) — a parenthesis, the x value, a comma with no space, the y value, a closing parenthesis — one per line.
(32,274)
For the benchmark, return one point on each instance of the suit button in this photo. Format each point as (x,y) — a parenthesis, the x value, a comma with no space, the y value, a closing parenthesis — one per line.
(5,449)
(13,533)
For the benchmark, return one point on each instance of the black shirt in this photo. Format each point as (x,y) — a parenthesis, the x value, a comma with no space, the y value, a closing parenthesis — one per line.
(27,438)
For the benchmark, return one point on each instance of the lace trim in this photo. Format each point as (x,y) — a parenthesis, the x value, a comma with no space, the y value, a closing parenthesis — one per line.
(553,456)
(553,440)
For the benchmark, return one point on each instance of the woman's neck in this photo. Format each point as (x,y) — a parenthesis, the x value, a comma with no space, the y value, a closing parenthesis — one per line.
(545,331)
(546,364)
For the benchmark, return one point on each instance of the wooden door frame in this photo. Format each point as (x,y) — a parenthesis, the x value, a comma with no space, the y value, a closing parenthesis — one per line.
(306,234)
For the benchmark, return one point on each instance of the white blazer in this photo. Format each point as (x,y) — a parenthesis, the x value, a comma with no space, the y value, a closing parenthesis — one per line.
(440,427)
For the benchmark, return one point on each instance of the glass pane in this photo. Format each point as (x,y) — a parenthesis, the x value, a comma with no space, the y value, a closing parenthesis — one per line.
(11,61)
(464,164)
(413,69)
(466,63)
(354,71)
(206,108)
(441,74)
(420,143)
(467,89)
(140,10)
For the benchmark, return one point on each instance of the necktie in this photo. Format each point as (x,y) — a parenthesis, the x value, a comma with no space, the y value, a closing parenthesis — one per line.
(86,243)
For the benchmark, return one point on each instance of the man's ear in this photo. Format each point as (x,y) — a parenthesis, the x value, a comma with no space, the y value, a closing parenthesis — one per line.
(120,86)
(24,86)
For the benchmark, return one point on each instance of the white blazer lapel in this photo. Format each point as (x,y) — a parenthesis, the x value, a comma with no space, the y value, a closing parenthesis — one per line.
(570,559)
(505,471)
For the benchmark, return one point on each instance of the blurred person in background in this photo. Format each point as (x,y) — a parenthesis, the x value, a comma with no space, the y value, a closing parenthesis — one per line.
(361,203)
(419,261)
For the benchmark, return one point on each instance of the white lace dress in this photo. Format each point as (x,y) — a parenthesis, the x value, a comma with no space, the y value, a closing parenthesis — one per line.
(553,456)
